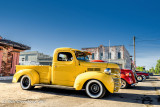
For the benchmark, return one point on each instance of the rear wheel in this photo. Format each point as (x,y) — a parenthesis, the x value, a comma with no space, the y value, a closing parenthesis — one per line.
(139,78)
(95,89)
(124,84)
(26,83)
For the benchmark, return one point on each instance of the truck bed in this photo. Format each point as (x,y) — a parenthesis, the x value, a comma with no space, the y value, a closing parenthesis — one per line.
(43,71)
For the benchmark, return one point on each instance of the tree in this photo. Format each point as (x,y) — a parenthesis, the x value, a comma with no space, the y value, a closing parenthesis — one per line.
(157,68)
(152,70)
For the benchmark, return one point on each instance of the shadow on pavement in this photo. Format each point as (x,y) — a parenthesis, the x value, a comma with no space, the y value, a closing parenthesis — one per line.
(151,80)
(135,98)
(144,88)
(122,97)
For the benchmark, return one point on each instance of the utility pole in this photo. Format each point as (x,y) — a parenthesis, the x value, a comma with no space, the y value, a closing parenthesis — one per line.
(109,51)
(134,38)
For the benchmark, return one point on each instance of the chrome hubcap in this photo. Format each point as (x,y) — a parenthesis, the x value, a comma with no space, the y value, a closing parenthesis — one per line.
(123,83)
(25,82)
(139,78)
(94,88)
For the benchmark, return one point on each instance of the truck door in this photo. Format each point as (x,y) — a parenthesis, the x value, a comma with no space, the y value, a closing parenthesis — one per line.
(64,69)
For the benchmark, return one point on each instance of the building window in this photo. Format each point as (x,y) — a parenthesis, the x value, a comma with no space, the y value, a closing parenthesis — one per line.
(92,55)
(109,55)
(22,59)
(119,55)
(101,56)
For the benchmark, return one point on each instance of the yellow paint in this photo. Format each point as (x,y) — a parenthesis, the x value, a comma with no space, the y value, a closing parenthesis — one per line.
(69,73)
(84,77)
(29,72)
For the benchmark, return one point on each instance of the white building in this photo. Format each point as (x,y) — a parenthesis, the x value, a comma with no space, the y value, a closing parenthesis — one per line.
(117,54)
(34,58)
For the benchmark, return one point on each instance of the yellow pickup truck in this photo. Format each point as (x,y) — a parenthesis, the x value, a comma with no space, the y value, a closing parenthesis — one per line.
(71,68)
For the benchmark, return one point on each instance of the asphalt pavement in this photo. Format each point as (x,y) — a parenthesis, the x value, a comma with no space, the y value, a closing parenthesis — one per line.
(145,94)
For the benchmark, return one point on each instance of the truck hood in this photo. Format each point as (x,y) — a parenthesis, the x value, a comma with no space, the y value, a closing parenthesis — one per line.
(98,65)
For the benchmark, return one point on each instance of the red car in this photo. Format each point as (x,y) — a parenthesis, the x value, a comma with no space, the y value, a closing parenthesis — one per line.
(142,76)
(127,78)
(98,61)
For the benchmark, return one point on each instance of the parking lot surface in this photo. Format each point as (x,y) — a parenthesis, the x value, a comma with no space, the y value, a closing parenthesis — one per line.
(145,94)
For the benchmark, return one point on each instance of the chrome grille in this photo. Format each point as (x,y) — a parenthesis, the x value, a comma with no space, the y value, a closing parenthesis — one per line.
(116,84)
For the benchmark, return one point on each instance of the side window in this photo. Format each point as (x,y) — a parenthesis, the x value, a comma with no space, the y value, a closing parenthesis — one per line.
(65,56)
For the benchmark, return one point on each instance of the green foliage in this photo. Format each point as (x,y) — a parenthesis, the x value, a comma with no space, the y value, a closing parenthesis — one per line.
(157,68)
(152,70)
(139,68)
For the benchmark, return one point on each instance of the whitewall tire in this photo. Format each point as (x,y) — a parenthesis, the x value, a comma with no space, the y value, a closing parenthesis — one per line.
(26,83)
(95,89)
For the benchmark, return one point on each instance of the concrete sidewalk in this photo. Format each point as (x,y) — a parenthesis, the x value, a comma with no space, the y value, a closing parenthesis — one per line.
(6,78)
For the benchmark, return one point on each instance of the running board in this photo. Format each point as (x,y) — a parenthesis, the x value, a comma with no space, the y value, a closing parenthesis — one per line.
(55,86)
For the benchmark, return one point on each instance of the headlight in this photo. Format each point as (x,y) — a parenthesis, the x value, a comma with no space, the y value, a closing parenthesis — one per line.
(107,71)
(129,74)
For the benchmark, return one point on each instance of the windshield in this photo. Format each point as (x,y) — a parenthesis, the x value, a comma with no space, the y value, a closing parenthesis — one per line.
(81,56)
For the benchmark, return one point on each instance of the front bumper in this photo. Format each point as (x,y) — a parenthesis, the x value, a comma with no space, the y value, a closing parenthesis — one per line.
(134,84)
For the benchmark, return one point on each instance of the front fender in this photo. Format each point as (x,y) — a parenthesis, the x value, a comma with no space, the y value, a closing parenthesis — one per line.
(102,77)
(128,79)
(33,75)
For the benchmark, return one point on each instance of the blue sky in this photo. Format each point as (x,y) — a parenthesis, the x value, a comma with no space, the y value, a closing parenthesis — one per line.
(48,24)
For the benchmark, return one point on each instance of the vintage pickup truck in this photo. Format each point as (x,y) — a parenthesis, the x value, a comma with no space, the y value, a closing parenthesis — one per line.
(71,69)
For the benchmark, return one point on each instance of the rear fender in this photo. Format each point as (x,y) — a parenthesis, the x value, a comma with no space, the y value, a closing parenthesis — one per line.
(33,75)
(102,77)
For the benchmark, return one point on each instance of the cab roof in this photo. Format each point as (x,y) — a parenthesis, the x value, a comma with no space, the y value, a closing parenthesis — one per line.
(71,49)
(66,49)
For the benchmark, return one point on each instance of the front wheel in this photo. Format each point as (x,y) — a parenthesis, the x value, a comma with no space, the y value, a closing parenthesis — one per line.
(95,89)
(139,78)
(26,83)
(124,84)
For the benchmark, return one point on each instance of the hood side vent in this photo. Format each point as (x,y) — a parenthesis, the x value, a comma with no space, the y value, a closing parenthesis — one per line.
(94,69)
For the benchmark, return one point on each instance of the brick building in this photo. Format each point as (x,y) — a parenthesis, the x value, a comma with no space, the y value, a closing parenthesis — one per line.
(9,56)
(117,54)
